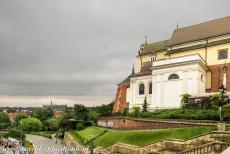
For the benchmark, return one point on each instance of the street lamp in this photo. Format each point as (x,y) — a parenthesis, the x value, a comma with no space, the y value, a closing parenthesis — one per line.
(222,91)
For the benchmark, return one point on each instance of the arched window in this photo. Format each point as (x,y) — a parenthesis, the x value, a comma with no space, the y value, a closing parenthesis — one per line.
(173,76)
(150,88)
(141,89)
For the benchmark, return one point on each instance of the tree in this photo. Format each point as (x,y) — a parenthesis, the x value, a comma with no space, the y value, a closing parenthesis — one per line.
(20,117)
(4,120)
(215,99)
(145,106)
(15,133)
(43,114)
(30,124)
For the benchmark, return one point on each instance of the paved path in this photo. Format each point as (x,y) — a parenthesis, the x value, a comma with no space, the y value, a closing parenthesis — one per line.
(39,141)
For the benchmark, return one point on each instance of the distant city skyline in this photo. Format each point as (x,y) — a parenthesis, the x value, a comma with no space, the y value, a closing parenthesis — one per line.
(73,52)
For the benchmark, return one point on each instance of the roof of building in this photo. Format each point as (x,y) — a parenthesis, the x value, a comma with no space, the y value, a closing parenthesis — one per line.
(155,46)
(191,33)
(125,81)
(145,69)
(201,31)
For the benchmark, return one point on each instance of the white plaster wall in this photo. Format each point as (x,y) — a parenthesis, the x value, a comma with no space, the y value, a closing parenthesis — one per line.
(135,98)
(166,93)
(128,99)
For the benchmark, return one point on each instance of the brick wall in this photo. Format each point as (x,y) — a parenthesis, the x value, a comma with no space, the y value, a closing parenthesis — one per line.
(135,124)
(120,99)
(217,77)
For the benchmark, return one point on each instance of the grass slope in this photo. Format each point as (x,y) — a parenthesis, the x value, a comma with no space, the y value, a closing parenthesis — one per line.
(141,137)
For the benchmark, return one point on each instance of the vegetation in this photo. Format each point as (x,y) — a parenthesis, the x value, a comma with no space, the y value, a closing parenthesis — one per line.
(136,111)
(47,134)
(15,133)
(145,106)
(108,137)
(215,99)
(4,120)
(43,114)
(31,124)
(184,99)
(20,117)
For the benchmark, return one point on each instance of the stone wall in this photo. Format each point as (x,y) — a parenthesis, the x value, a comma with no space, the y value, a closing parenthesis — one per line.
(134,123)
(70,142)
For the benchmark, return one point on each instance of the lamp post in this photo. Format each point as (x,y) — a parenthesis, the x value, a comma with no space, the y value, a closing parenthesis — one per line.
(91,141)
(222,91)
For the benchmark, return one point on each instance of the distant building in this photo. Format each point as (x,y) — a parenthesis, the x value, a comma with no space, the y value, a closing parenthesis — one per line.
(55,107)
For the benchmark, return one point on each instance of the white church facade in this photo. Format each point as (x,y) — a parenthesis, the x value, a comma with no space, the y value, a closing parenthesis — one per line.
(194,60)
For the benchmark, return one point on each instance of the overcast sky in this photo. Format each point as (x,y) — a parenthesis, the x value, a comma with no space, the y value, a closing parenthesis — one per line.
(73,51)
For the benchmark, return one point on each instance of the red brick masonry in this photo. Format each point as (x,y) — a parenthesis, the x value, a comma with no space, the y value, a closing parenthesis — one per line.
(135,124)
(217,76)
(120,100)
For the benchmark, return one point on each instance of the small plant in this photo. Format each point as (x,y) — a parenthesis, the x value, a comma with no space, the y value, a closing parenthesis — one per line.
(145,106)
(136,111)
(184,99)
(125,112)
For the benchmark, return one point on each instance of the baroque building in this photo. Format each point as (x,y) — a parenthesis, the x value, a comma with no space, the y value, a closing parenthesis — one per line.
(194,60)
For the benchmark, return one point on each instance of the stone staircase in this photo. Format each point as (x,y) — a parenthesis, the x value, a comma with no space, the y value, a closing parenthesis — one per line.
(213,142)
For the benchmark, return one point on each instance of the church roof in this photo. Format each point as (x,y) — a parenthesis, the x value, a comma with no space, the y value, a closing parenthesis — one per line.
(201,31)
(125,81)
(191,33)
(145,69)
(155,46)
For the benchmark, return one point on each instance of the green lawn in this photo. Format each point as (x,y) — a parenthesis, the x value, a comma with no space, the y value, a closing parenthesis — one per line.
(141,137)
(47,134)
(91,132)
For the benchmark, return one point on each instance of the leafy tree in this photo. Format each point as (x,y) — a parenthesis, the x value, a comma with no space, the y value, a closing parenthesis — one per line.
(104,109)
(93,115)
(184,99)
(215,99)
(54,123)
(145,106)
(43,114)
(15,133)
(80,112)
(30,124)
(136,111)
(4,120)
(20,117)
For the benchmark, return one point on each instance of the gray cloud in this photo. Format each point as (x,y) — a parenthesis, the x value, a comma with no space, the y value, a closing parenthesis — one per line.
(83,48)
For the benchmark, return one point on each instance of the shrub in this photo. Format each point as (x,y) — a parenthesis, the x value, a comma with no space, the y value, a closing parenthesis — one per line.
(80,126)
(215,99)
(136,111)
(125,112)
(184,99)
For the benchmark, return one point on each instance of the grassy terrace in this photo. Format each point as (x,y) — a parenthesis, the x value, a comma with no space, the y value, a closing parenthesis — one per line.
(138,137)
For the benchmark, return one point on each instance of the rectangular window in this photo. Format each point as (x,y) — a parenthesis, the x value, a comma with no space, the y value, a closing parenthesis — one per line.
(223,54)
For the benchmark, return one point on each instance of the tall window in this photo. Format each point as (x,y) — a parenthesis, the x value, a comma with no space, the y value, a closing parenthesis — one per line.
(141,89)
(173,76)
(150,88)
(223,54)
